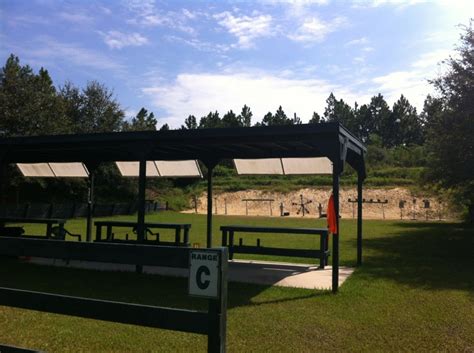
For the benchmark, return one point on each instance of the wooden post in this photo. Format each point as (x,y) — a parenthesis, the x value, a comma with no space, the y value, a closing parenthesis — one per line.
(335,237)
(359,219)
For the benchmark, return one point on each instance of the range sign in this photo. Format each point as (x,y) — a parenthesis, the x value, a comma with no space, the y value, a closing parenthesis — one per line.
(204,276)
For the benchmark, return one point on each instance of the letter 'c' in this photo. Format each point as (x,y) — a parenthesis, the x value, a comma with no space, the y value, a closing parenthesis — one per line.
(202,284)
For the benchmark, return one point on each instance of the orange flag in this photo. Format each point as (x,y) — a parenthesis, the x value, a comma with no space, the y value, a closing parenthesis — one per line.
(331,216)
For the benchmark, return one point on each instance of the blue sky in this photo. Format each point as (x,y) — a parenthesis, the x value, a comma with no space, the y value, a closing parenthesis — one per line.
(177,58)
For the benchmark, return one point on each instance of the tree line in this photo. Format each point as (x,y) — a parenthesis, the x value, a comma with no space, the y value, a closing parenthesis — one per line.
(32,105)
(399,125)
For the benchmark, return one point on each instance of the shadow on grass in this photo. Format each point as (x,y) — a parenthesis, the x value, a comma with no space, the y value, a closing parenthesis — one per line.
(431,255)
(136,288)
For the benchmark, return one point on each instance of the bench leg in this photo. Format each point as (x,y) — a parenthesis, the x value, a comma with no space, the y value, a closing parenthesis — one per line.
(322,247)
(224,238)
(231,245)
(186,237)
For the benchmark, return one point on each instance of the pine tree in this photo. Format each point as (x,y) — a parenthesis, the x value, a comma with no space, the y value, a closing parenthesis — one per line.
(315,119)
(29,103)
(246,116)
(190,123)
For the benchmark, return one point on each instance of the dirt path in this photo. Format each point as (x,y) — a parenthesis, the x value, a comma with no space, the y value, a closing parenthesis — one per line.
(231,203)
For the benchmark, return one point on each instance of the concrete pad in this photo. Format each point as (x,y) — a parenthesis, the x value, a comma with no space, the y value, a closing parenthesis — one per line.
(245,271)
(285,274)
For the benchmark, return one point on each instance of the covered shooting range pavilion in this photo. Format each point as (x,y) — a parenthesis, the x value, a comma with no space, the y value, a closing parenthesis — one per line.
(210,146)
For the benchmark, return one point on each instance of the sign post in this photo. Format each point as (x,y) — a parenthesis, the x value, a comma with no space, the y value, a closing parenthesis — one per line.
(208,279)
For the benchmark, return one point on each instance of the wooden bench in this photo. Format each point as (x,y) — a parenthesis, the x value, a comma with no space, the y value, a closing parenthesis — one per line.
(178,228)
(322,253)
(53,225)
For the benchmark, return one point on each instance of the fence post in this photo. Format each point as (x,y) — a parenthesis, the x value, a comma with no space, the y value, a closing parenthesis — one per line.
(216,339)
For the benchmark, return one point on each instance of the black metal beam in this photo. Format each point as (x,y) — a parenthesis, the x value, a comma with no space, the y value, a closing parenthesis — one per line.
(359,218)
(90,206)
(216,339)
(335,237)
(126,313)
(210,169)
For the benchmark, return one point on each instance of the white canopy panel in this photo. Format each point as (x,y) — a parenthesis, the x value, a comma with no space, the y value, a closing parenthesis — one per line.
(283,166)
(35,170)
(320,165)
(69,170)
(189,168)
(258,166)
(52,170)
(132,169)
(186,168)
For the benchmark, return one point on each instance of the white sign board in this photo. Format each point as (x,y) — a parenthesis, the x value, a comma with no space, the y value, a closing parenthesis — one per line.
(204,273)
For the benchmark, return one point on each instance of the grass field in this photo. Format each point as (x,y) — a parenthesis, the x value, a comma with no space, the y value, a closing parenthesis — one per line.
(414,293)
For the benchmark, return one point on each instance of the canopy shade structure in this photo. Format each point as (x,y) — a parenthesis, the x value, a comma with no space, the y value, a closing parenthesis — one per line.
(183,169)
(283,166)
(53,170)
(330,140)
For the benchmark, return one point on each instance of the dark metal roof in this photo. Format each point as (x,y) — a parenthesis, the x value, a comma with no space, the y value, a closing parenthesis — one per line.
(330,140)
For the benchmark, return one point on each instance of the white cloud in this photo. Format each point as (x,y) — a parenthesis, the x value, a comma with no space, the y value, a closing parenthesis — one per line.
(357,42)
(75,17)
(200,93)
(119,40)
(431,59)
(397,3)
(25,20)
(69,53)
(316,30)
(146,14)
(231,88)
(246,28)
(413,82)
(199,44)
(296,2)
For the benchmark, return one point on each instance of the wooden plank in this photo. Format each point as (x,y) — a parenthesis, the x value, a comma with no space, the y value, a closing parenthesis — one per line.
(263,250)
(147,224)
(252,229)
(126,313)
(152,255)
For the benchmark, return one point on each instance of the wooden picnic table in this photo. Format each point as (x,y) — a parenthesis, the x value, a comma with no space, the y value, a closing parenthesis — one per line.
(49,222)
(178,228)
(228,240)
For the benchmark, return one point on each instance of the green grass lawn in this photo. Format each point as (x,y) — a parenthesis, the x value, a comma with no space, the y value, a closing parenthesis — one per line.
(414,293)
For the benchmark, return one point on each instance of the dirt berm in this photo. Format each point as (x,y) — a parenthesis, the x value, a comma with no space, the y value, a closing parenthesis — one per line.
(379,204)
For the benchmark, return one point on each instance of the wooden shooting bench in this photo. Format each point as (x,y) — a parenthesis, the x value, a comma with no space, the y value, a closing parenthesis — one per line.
(322,253)
(54,227)
(149,227)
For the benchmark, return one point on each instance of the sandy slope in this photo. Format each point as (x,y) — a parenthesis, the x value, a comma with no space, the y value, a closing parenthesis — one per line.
(231,203)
